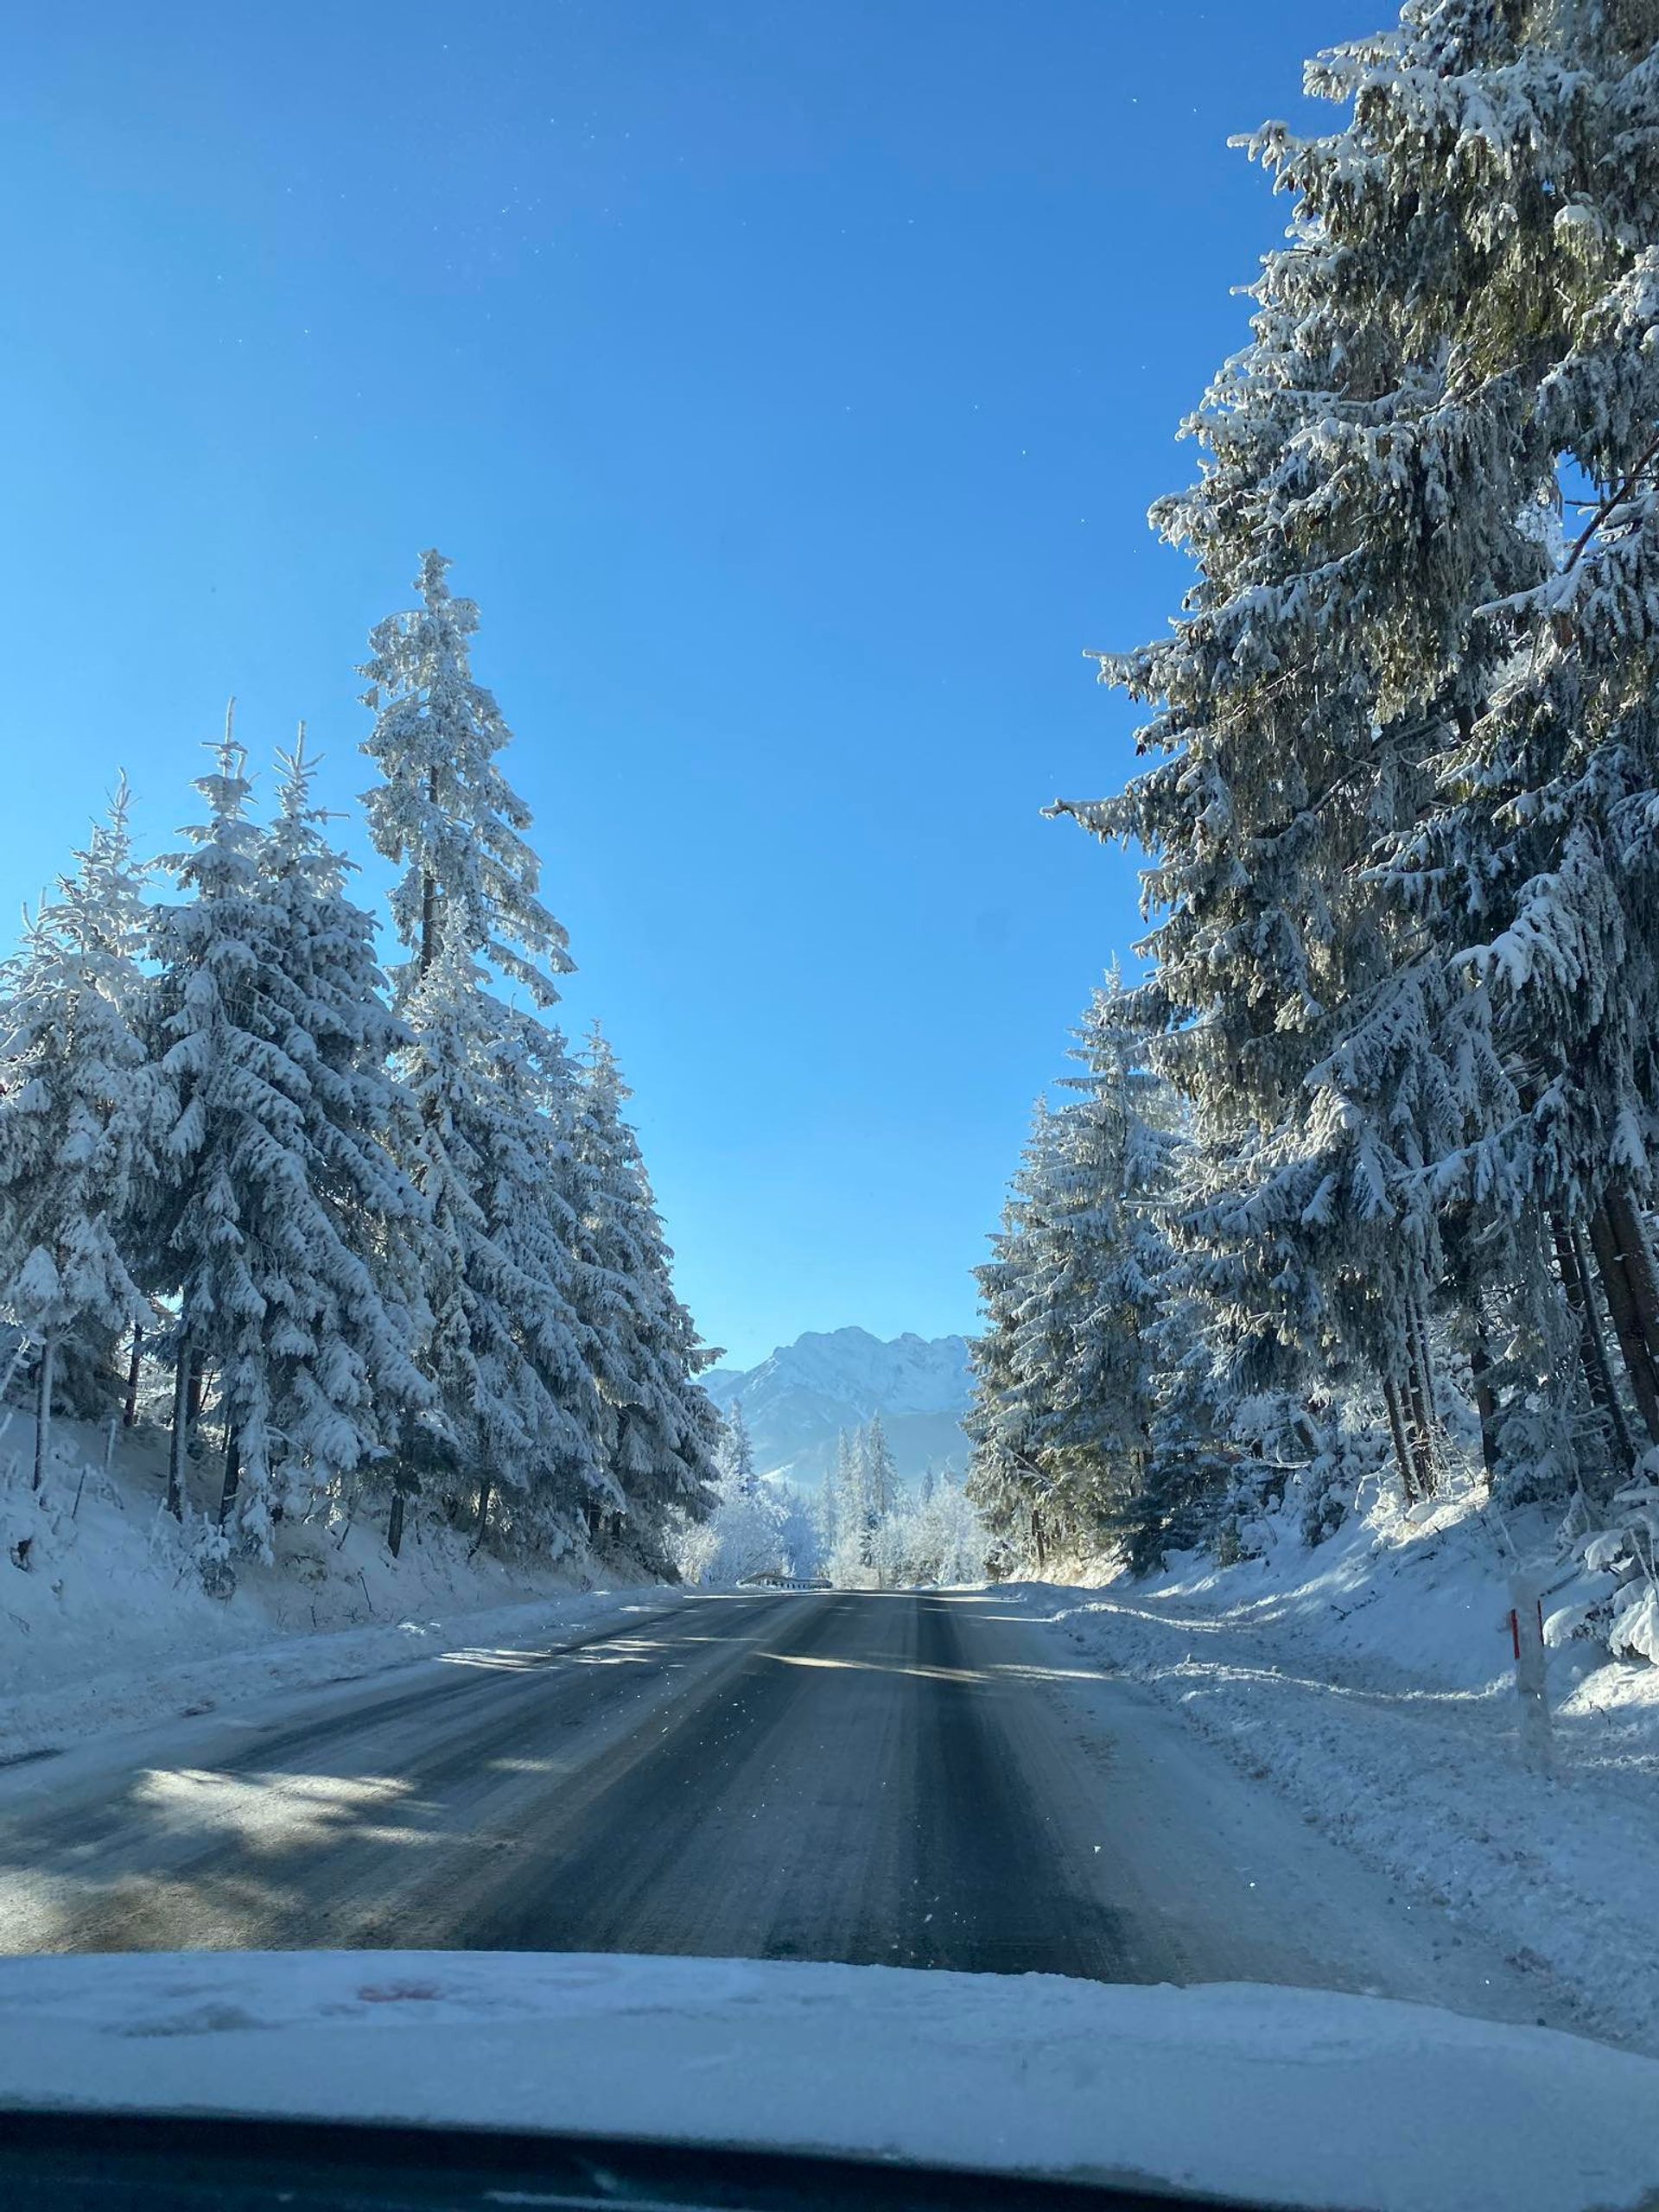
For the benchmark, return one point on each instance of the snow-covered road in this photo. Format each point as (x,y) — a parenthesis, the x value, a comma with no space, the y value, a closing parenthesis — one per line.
(909,1779)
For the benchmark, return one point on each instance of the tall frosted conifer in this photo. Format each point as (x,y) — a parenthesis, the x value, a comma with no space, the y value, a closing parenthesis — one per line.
(491,1084)
(83,1110)
(274,1037)
(1404,713)
(661,1431)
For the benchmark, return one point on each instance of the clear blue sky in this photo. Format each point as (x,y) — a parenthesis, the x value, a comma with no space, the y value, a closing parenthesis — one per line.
(787,382)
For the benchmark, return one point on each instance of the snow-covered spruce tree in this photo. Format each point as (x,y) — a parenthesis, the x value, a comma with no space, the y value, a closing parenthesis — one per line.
(521,1413)
(1101,1273)
(661,1432)
(443,810)
(358,1393)
(274,1243)
(1181,1498)
(84,1106)
(1529,134)
(831,1506)
(1067,1386)
(1007,1481)
(878,1484)
(1373,497)
(801,1550)
(845,1514)
(735,1457)
(936,1538)
(505,1348)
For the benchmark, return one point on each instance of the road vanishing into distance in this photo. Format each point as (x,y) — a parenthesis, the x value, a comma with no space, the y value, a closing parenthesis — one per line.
(903,1779)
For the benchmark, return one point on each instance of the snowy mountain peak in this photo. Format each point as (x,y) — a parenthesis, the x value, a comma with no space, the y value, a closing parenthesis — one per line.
(797,1400)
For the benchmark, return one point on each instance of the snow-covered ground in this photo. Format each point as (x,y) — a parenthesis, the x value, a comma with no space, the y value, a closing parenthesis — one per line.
(1370,1681)
(1279,2096)
(105,1622)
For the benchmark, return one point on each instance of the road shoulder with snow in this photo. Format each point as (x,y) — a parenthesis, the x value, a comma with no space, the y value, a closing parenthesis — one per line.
(1409,1780)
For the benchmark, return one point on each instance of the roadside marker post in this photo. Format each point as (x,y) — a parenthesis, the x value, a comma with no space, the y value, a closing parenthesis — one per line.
(1527,1637)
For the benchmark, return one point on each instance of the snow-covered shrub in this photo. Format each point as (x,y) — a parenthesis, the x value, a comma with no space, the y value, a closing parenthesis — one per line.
(1628,1552)
(747,1533)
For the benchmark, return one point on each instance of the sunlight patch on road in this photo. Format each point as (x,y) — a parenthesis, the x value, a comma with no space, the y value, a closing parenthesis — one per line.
(876,1667)
(615,1651)
(156,1910)
(1024,1673)
(274,1811)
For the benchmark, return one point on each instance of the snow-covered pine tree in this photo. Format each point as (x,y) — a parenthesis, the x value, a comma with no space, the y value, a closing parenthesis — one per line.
(1101,1275)
(661,1430)
(1192,1455)
(1006,1481)
(1067,1388)
(831,1506)
(935,1538)
(84,1109)
(506,1349)
(1371,533)
(492,1086)
(878,1484)
(349,1371)
(800,1538)
(274,1247)
(1528,138)
(443,810)
(736,1457)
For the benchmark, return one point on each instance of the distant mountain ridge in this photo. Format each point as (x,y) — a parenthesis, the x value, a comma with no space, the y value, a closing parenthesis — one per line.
(797,1401)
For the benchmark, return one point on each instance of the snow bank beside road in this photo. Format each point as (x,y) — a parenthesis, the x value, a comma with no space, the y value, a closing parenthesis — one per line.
(104,1624)
(1370,1682)
(47,1719)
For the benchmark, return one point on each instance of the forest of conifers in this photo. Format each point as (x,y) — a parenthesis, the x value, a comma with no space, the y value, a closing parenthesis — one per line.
(1358,1173)
(349,1238)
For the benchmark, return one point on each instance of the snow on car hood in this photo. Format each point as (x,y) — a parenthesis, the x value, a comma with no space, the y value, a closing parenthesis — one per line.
(1289,2095)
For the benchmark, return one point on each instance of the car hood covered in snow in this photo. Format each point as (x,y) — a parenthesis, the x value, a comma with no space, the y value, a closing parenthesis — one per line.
(1268,2094)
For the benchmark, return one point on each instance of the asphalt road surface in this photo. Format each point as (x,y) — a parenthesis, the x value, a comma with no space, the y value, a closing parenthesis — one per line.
(909,1779)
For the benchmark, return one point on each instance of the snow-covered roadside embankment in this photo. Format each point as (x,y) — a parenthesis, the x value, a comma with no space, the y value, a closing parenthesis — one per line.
(1295,1663)
(105,1622)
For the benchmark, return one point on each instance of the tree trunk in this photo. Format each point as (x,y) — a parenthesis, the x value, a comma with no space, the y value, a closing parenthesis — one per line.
(198,1390)
(486,1487)
(175,1441)
(430,898)
(1419,1327)
(130,1411)
(43,1407)
(1419,1386)
(232,1474)
(1397,1431)
(1038,1544)
(1637,1255)
(1592,1345)
(1481,1364)
(395,1524)
(1626,1320)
